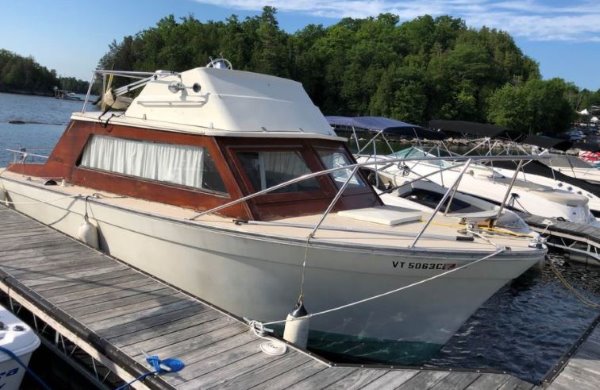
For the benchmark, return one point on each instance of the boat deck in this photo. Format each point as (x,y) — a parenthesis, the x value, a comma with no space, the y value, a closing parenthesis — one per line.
(117,314)
(443,233)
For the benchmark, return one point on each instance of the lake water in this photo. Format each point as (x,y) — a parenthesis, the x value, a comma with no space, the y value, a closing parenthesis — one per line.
(524,329)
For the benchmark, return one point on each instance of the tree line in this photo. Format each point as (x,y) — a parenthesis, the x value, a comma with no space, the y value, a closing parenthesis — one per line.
(422,69)
(24,75)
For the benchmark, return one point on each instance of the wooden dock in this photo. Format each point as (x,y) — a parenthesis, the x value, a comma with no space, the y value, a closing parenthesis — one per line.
(582,241)
(116,314)
(582,370)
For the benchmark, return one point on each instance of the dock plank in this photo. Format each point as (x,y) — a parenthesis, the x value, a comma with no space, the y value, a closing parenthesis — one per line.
(88,286)
(514,383)
(146,320)
(424,380)
(37,268)
(357,379)
(582,371)
(577,378)
(127,309)
(91,292)
(456,380)
(141,315)
(391,380)
(42,256)
(216,362)
(324,378)
(264,373)
(129,300)
(488,381)
(287,379)
(89,276)
(190,338)
(110,296)
(229,370)
(146,334)
(216,337)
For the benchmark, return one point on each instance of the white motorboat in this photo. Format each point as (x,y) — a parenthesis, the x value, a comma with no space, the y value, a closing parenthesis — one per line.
(563,173)
(572,166)
(233,187)
(426,195)
(493,183)
(21,341)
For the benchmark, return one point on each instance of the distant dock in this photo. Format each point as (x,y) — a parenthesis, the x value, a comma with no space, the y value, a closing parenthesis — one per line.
(581,241)
(115,314)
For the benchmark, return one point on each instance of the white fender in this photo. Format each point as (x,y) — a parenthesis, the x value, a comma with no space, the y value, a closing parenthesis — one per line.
(296,326)
(88,234)
(3,193)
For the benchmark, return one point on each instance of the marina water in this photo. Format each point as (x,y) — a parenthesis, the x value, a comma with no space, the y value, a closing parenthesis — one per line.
(524,329)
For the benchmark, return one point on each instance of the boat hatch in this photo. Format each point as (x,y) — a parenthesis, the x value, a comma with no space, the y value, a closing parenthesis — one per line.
(385,215)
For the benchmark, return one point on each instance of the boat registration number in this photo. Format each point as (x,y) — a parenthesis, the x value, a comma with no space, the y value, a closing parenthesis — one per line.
(431,266)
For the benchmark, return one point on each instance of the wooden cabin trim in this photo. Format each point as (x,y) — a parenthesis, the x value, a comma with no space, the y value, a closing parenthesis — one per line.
(64,160)
(281,205)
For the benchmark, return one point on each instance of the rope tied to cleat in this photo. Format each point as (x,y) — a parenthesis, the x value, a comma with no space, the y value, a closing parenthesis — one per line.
(159,367)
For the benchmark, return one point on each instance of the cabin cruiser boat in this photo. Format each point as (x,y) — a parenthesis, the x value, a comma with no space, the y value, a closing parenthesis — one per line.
(232,186)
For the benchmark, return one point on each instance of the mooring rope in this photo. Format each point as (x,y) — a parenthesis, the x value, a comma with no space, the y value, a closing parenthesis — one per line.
(159,367)
(41,201)
(261,326)
(570,287)
(304,268)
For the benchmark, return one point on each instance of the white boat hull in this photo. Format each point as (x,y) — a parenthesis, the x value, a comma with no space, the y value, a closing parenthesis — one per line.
(21,340)
(481,183)
(258,276)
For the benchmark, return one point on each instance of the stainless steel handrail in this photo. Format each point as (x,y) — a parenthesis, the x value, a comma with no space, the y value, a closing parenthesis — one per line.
(355,168)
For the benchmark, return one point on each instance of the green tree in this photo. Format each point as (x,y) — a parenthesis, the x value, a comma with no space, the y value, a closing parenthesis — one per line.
(25,75)
(538,106)
(417,70)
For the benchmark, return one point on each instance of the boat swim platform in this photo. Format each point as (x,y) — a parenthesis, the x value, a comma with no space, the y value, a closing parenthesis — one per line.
(581,241)
(113,314)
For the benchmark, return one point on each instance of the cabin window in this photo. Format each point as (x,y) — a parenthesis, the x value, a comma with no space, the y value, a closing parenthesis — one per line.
(268,168)
(190,166)
(333,158)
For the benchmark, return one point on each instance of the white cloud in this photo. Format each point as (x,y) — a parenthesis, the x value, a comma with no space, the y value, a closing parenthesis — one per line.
(571,20)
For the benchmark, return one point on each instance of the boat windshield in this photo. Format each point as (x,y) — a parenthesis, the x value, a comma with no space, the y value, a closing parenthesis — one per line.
(266,169)
(336,158)
(414,152)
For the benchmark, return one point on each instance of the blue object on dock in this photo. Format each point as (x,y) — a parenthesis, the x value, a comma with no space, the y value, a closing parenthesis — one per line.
(159,367)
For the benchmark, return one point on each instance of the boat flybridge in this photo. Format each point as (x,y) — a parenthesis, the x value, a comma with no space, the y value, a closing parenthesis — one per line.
(232,186)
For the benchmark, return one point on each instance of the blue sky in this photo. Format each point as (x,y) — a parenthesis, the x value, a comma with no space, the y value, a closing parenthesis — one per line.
(70,36)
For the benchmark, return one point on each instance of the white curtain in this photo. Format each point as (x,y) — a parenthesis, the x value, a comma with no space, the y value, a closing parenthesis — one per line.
(278,167)
(177,164)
